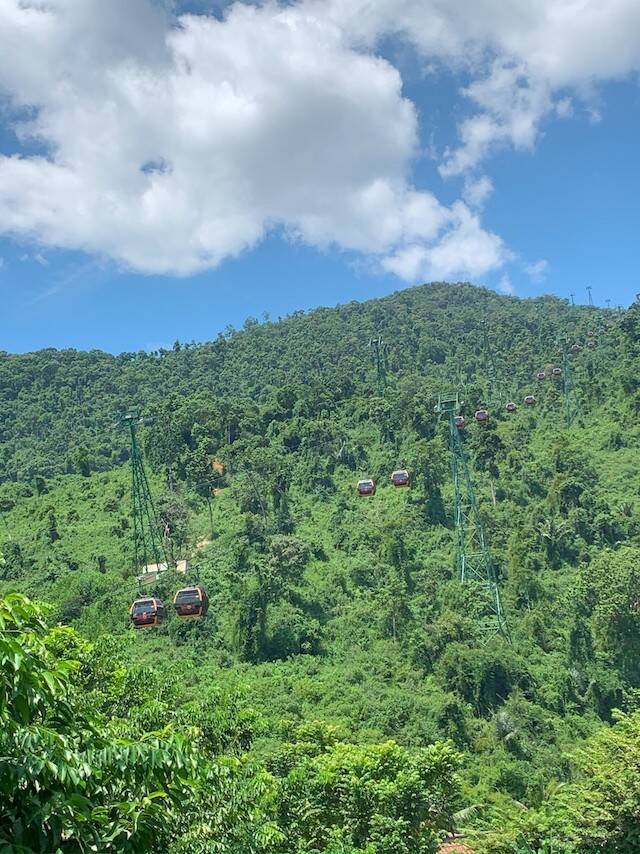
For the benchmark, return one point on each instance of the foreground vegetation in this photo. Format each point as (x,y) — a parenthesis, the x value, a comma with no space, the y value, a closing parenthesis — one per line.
(340,696)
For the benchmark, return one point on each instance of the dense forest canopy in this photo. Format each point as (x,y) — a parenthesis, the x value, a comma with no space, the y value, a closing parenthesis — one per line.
(342,694)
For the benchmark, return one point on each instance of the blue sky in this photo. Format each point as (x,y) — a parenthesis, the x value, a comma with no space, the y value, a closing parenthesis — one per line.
(556,143)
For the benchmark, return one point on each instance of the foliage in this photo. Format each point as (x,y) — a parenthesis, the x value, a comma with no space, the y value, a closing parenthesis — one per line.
(65,783)
(333,612)
(344,797)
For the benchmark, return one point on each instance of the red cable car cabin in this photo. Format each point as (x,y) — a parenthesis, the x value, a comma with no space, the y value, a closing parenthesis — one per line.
(530,400)
(366,487)
(147,613)
(481,416)
(511,407)
(459,422)
(400,477)
(191,603)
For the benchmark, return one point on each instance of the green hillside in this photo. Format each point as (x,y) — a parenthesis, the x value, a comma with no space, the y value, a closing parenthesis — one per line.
(342,694)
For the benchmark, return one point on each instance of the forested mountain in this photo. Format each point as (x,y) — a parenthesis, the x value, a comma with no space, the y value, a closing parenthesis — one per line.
(342,694)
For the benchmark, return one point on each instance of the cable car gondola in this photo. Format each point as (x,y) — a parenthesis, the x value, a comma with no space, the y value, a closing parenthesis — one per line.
(459,422)
(541,376)
(530,400)
(400,477)
(511,407)
(481,416)
(147,613)
(557,372)
(366,487)
(591,343)
(191,603)
(576,348)
(590,334)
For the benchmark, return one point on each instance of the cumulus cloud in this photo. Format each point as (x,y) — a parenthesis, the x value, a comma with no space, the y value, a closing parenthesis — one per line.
(477,191)
(537,270)
(522,57)
(171,143)
(564,108)
(465,248)
(511,106)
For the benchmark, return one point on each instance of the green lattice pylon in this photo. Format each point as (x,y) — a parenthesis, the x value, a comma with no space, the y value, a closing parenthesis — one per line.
(379,349)
(147,543)
(497,387)
(571,400)
(473,558)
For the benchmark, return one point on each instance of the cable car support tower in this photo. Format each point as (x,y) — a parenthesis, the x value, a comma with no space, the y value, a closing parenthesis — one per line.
(147,543)
(379,349)
(571,401)
(497,387)
(473,558)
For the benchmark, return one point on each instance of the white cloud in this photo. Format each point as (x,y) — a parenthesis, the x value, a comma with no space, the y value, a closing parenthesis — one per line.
(171,144)
(525,59)
(511,107)
(170,148)
(38,257)
(564,108)
(537,270)
(505,285)
(595,116)
(465,248)
(477,191)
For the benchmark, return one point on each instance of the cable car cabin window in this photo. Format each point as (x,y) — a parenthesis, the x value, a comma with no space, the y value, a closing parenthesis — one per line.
(143,607)
(188,597)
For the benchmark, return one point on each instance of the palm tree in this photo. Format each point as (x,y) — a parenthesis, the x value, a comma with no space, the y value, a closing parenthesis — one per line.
(555,534)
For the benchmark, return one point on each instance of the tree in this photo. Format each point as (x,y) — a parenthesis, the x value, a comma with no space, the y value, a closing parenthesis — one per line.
(380,798)
(52,526)
(69,782)
(555,533)
(524,565)
(65,784)
(610,589)
(597,811)
(82,461)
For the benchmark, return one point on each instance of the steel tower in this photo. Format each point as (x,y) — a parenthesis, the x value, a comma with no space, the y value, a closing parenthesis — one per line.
(473,558)
(147,542)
